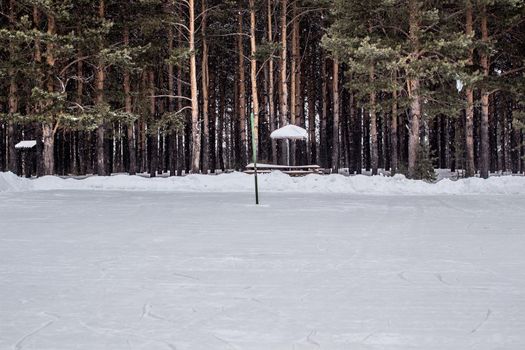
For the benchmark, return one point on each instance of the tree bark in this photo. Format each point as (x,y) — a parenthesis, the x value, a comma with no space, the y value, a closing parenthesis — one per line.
(221,123)
(3,145)
(413,138)
(312,97)
(284,82)
(196,129)
(374,156)
(40,84)
(484,58)
(294,87)
(213,120)
(205,93)
(49,142)
(181,149)
(323,132)
(48,127)
(12,164)
(172,144)
(99,100)
(128,108)
(79,167)
(413,86)
(11,129)
(469,123)
(271,83)
(182,142)
(154,133)
(253,74)
(335,126)
(242,94)
(394,163)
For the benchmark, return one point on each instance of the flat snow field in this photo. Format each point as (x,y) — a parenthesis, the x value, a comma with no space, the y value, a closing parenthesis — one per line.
(118,270)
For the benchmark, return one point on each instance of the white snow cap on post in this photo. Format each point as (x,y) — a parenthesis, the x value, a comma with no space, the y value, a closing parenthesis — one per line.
(291,132)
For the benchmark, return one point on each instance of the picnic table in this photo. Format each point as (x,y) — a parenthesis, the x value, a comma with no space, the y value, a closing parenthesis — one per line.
(292,170)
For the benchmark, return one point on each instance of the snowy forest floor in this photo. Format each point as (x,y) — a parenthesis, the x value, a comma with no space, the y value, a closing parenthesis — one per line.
(115,270)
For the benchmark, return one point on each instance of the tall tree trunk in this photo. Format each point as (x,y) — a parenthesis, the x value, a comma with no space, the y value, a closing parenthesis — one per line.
(154,133)
(242,94)
(413,86)
(253,74)
(469,123)
(294,88)
(79,100)
(49,149)
(172,144)
(40,84)
(484,58)
(284,82)
(205,93)
(48,129)
(366,139)
(11,129)
(516,145)
(132,169)
(12,98)
(213,120)
(415,114)
(507,132)
(374,155)
(312,97)
(299,100)
(394,163)
(357,132)
(271,83)
(99,100)
(221,122)
(335,125)
(3,145)
(522,159)
(447,146)
(323,146)
(196,129)
(382,141)
(180,134)
(182,141)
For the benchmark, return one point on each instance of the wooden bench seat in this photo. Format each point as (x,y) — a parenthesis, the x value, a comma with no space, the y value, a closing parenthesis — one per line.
(259,171)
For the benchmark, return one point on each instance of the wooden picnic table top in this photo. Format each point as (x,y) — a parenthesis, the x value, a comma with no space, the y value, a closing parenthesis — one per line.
(288,172)
(282,167)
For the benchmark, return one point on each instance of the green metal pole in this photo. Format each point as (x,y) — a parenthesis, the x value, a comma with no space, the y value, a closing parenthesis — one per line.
(254,152)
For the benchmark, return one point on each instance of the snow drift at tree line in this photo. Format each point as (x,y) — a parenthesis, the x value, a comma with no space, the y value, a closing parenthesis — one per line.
(274,182)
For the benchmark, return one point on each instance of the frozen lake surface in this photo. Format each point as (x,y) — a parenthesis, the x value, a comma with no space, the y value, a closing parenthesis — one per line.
(118,270)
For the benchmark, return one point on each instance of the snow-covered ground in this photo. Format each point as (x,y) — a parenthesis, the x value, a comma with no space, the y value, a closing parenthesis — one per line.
(90,269)
(274,182)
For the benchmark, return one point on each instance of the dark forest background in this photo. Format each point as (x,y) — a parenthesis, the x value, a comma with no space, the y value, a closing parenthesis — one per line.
(158,86)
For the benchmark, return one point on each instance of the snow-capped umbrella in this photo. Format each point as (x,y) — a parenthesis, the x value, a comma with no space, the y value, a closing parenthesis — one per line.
(289,132)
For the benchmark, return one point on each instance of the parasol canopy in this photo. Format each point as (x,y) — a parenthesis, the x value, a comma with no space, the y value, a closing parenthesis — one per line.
(290,132)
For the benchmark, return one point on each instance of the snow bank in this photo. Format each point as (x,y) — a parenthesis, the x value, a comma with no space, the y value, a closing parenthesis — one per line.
(274,182)
(9,182)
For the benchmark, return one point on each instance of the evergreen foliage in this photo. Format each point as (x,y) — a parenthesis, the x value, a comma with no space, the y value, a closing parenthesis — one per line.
(110,80)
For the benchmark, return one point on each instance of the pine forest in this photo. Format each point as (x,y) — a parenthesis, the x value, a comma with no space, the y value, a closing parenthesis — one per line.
(171,86)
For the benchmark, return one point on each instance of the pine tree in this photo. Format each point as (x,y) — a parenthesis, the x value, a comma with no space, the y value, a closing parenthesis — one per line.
(111,85)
